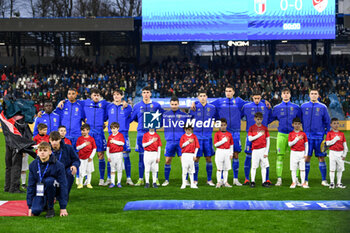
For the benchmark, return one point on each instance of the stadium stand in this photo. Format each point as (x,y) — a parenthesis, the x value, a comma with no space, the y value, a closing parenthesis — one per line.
(182,78)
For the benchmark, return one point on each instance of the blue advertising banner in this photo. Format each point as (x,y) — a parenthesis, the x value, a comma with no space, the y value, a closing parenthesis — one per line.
(236,205)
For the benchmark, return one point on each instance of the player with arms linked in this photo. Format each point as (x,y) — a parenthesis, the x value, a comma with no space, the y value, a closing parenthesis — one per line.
(146,105)
(316,124)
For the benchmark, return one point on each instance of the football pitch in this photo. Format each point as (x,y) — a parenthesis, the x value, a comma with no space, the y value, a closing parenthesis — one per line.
(101,209)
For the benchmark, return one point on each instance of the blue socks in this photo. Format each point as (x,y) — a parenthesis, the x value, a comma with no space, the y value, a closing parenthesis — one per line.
(196,168)
(323,170)
(102,168)
(127,165)
(108,170)
(307,170)
(141,165)
(235,166)
(267,173)
(167,169)
(209,170)
(247,165)
(77,174)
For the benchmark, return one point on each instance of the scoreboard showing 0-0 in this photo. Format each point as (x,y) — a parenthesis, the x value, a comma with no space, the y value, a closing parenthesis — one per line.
(208,20)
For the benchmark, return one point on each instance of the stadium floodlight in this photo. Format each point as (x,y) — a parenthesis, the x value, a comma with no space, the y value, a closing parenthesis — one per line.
(2,43)
(184,42)
(82,38)
(87,43)
(284,41)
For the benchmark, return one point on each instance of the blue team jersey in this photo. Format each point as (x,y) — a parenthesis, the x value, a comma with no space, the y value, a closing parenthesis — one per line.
(117,113)
(139,109)
(173,123)
(96,114)
(231,110)
(72,115)
(316,120)
(52,121)
(285,113)
(203,114)
(249,110)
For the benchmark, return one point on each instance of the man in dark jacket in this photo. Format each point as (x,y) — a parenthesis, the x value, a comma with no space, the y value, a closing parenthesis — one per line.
(46,174)
(66,155)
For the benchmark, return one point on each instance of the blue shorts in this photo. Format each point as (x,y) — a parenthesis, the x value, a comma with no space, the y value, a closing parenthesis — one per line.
(206,148)
(127,142)
(74,142)
(100,141)
(315,145)
(172,148)
(248,146)
(237,147)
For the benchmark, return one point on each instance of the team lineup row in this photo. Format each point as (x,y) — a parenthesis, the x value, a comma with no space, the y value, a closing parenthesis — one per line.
(71,113)
(191,143)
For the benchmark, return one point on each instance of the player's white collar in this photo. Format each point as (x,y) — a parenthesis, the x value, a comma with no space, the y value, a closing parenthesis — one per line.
(188,134)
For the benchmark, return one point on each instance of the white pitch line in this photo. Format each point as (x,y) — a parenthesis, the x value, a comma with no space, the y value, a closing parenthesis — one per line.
(273,137)
(347,162)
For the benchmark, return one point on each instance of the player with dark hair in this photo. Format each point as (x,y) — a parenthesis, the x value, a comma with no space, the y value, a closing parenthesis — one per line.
(146,105)
(49,118)
(316,124)
(284,112)
(204,114)
(118,112)
(248,111)
(174,120)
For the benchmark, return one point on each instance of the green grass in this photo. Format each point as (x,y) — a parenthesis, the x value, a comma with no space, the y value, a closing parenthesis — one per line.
(101,209)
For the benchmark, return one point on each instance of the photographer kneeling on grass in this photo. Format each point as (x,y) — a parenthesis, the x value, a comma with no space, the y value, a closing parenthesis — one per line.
(47,177)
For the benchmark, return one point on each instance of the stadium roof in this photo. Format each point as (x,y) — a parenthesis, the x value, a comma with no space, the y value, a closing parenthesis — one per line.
(66,24)
(45,31)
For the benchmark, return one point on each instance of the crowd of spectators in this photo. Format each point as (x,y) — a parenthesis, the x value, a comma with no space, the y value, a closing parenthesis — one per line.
(181,78)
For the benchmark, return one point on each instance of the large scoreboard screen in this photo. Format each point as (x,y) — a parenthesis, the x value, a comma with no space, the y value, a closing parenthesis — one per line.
(208,20)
